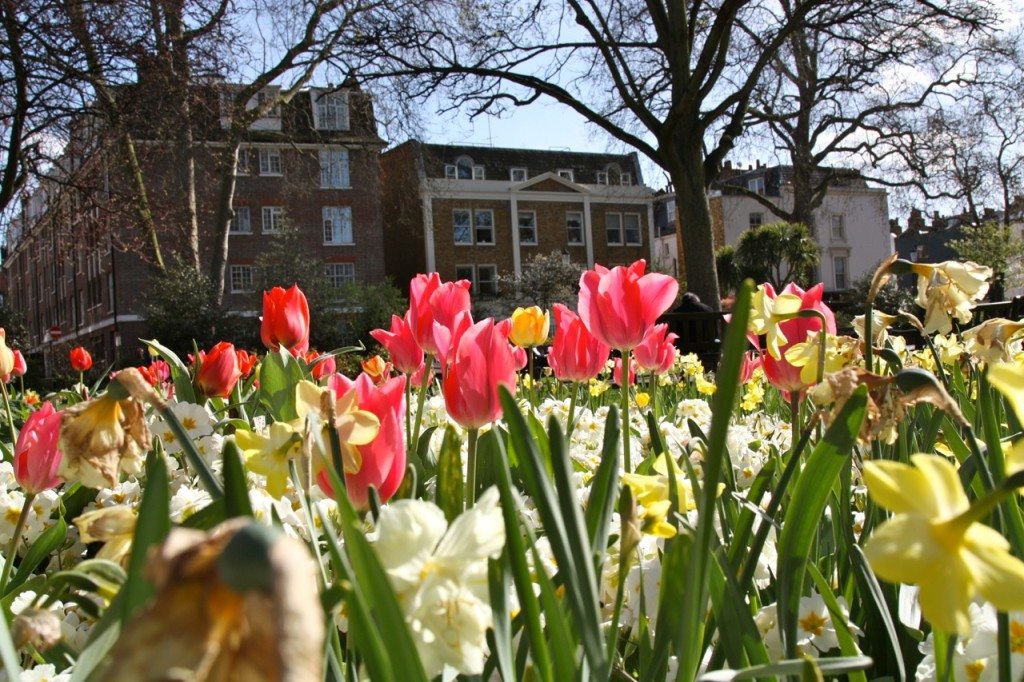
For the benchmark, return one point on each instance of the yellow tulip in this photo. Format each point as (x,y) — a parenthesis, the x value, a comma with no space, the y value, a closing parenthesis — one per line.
(6,355)
(933,540)
(530,327)
(642,400)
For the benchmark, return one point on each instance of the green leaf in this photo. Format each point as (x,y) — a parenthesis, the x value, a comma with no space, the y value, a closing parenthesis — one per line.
(280,373)
(498,585)
(8,654)
(207,517)
(50,540)
(151,528)
(450,483)
(603,489)
(236,485)
(737,632)
(831,666)
(184,391)
(847,643)
(805,509)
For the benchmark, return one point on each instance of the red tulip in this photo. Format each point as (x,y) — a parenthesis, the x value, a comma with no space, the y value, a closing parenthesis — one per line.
(161,370)
(285,319)
(480,363)
(20,367)
(383,459)
(219,371)
(246,361)
(406,354)
(617,372)
(321,369)
(780,373)
(576,354)
(81,361)
(657,351)
(620,305)
(36,456)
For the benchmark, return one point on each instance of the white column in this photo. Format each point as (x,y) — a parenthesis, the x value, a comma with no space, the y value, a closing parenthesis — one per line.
(588,231)
(650,230)
(514,208)
(428,231)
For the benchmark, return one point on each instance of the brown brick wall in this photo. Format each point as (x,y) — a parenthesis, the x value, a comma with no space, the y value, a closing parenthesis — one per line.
(448,254)
(608,255)
(551,230)
(402,215)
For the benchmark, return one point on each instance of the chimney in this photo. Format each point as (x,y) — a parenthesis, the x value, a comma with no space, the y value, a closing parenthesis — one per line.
(759,163)
(728,164)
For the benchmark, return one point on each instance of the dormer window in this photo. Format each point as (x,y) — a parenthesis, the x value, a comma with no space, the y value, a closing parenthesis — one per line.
(756,185)
(478,172)
(463,169)
(625,178)
(517,175)
(602,177)
(262,98)
(330,110)
(565,174)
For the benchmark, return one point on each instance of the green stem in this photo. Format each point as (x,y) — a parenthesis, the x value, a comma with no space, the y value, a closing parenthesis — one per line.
(654,396)
(624,386)
(574,392)
(794,420)
(12,549)
(474,434)
(869,343)
(532,394)
(10,415)
(1003,646)
(192,455)
(421,399)
(408,414)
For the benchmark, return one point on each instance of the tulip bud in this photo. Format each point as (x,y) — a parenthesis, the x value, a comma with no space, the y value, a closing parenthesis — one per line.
(219,371)
(6,355)
(20,366)
(285,320)
(81,360)
(36,457)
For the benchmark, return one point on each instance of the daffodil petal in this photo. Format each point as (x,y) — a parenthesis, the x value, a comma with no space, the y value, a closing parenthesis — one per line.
(1009,379)
(307,398)
(998,575)
(947,494)
(903,549)
(898,487)
(945,594)
(358,428)
(787,304)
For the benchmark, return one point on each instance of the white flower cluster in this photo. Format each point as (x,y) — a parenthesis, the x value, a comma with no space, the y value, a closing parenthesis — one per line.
(975,658)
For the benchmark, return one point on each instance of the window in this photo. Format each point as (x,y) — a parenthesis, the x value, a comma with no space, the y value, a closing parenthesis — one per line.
(838,227)
(487,280)
(613,224)
(517,174)
(262,98)
(464,272)
(240,223)
(631,223)
(528,228)
(565,173)
(602,177)
(756,219)
(242,167)
(670,210)
(462,226)
(574,227)
(337,224)
(464,169)
(478,173)
(756,185)
(626,179)
(339,274)
(483,221)
(273,219)
(241,278)
(334,168)
(332,111)
(270,162)
(839,268)
(450,171)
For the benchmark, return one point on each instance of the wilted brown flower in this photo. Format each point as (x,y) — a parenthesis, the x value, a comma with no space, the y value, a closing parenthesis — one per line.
(237,604)
(38,627)
(113,526)
(989,341)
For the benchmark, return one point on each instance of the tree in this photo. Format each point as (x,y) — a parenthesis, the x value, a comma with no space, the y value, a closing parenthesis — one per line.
(778,253)
(671,79)
(997,246)
(544,279)
(180,309)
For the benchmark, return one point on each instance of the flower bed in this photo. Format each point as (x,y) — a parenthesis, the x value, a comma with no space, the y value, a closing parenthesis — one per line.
(814,506)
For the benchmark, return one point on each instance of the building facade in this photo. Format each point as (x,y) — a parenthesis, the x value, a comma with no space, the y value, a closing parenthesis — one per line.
(477,213)
(851,227)
(79,270)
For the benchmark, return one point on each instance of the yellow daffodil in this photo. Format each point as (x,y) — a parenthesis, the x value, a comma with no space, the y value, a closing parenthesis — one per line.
(354,426)
(691,365)
(933,540)
(839,353)
(705,387)
(767,312)
(753,396)
(949,347)
(530,327)
(270,454)
(651,492)
(114,526)
(642,400)
(880,323)
(597,387)
(989,341)
(1008,378)
(949,289)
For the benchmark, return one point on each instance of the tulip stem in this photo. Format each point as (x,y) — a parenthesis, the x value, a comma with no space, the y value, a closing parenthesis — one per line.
(626,467)
(428,368)
(574,392)
(12,549)
(408,415)
(530,394)
(654,396)
(474,435)
(10,415)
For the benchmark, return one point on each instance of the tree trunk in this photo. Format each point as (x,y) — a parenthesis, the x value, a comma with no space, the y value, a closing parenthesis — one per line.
(223,216)
(694,228)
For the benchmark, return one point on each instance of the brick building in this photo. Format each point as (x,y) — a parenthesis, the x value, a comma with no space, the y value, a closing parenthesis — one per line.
(479,212)
(78,269)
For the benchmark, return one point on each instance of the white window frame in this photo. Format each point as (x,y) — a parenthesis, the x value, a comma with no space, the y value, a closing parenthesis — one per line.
(845,259)
(622,235)
(513,172)
(472,274)
(756,185)
(342,215)
(750,219)
(602,177)
(465,162)
(468,225)
(271,219)
(261,97)
(239,270)
(242,167)
(343,275)
(840,235)
(639,229)
(322,103)
(519,225)
(236,221)
(451,172)
(334,169)
(476,227)
(479,173)
(568,234)
(478,289)
(267,154)
(566,174)
(625,178)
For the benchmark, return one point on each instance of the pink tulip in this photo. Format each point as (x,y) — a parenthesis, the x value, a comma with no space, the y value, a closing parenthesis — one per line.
(285,320)
(751,361)
(576,354)
(433,308)
(36,457)
(480,362)
(519,356)
(406,354)
(657,351)
(383,459)
(617,372)
(620,305)
(20,367)
(780,373)
(448,300)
